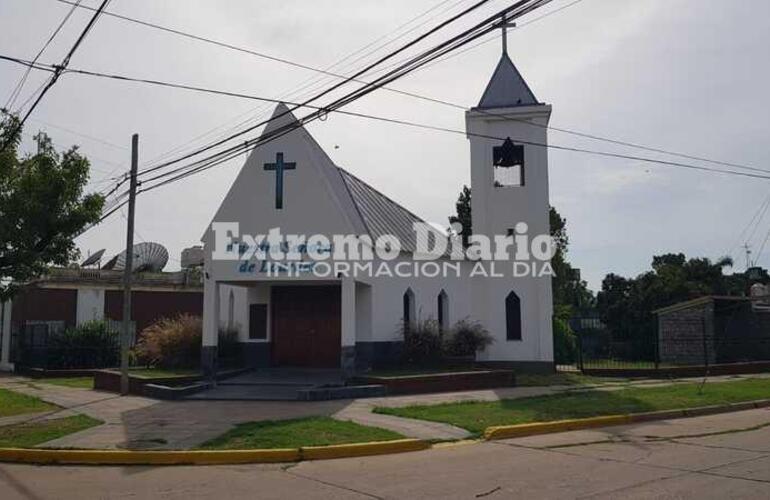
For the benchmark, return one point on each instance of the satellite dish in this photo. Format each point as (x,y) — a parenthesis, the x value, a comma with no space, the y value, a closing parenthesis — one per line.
(93,259)
(148,256)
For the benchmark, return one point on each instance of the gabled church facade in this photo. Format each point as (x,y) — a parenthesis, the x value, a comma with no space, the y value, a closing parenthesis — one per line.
(292,315)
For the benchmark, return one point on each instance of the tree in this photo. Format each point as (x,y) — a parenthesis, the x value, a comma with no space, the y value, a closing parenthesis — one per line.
(42,207)
(463,208)
(626,305)
(570,294)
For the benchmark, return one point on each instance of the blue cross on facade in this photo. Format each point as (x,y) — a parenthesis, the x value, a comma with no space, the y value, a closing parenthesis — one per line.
(279,166)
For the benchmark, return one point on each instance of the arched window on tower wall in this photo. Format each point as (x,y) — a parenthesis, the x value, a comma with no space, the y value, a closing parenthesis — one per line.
(512,317)
(442,310)
(408,308)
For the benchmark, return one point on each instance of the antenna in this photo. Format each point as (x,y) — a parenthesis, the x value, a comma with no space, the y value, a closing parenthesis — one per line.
(747,248)
(93,259)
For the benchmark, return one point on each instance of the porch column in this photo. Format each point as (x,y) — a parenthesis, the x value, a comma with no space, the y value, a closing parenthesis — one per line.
(211,311)
(348,316)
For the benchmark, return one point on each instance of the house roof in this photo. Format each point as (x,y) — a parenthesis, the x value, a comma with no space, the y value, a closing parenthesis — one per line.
(58,277)
(507,88)
(706,299)
(380,214)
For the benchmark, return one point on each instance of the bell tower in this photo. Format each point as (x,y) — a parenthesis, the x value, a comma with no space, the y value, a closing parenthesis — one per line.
(507,132)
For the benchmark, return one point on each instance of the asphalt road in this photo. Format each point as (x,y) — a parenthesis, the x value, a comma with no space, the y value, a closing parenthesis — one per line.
(720,456)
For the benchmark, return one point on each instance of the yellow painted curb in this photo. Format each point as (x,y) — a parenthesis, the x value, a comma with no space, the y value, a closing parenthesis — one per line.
(362,449)
(125,457)
(521,430)
(207,457)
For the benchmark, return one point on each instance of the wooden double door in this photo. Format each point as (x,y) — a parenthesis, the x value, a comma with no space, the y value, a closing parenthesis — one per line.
(306,326)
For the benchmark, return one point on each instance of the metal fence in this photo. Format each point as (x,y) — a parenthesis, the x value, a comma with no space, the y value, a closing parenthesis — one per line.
(717,332)
(654,353)
(44,345)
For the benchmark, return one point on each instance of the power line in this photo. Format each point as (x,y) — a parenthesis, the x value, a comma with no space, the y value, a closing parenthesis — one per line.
(762,248)
(761,210)
(422,97)
(354,78)
(56,74)
(19,86)
(520,8)
(312,81)
(81,134)
(210,40)
(491,39)
(199,167)
(396,121)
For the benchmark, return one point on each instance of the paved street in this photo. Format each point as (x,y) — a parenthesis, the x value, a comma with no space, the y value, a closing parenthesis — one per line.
(719,456)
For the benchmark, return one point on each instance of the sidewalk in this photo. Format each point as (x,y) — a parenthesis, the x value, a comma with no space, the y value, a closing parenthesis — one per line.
(142,423)
(650,460)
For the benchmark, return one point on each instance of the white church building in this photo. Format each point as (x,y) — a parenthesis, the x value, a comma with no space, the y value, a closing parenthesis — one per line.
(302,318)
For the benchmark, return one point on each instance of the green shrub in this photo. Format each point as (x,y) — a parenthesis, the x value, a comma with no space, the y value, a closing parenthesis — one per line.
(564,342)
(89,345)
(229,349)
(171,343)
(467,337)
(422,342)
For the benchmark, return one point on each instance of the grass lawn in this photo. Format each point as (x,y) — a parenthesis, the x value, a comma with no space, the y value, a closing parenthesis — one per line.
(477,416)
(562,378)
(14,403)
(76,382)
(161,373)
(31,434)
(311,431)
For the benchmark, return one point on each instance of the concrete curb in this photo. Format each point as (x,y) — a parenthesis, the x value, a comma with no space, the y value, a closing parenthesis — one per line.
(229,457)
(522,430)
(205,457)
(362,449)
(121,457)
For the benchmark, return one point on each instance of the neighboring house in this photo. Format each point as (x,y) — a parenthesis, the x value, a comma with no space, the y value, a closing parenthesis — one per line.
(713,330)
(353,323)
(69,297)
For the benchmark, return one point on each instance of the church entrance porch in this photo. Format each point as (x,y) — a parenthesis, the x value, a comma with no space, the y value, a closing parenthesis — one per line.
(285,324)
(306,326)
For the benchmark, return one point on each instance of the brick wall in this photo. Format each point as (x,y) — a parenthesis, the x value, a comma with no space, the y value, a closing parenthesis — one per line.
(148,307)
(44,304)
(681,334)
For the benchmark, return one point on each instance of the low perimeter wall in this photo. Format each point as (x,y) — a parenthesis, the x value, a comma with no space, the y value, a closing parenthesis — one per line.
(444,382)
(682,371)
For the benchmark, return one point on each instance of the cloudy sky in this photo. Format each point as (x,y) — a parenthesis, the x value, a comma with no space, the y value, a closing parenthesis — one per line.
(690,76)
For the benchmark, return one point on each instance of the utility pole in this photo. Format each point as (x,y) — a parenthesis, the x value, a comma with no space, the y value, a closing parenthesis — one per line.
(128,271)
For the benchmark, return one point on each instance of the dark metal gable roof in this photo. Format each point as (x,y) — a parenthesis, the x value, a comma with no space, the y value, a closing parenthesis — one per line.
(380,214)
(507,88)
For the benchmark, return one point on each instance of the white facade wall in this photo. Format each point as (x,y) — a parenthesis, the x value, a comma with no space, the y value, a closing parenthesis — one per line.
(315,202)
(376,311)
(90,305)
(496,210)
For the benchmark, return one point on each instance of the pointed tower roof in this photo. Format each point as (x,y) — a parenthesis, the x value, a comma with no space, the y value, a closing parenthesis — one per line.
(507,88)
